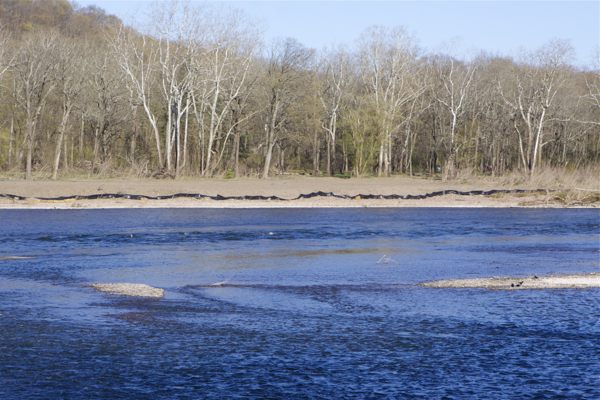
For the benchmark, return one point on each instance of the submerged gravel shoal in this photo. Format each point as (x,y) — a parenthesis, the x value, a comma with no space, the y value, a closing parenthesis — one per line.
(576,281)
(129,289)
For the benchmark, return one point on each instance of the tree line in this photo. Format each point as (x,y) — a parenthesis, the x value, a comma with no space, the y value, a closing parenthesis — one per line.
(195,91)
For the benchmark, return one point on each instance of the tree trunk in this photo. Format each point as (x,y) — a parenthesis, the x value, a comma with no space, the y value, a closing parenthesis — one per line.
(270,133)
(345,156)
(388,153)
(333,163)
(537,146)
(72,151)
(96,148)
(281,159)
(410,154)
(380,163)
(57,156)
(237,153)
(449,169)
(185,138)
(329,171)
(30,136)
(66,151)
(268,160)
(81,139)
(10,142)
(176,138)
(59,145)
(168,137)
(134,133)
(315,152)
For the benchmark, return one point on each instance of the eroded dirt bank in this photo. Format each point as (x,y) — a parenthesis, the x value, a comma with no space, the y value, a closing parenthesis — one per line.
(33,193)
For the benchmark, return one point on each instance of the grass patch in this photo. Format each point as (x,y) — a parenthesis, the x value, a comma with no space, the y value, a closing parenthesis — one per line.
(527,194)
(561,196)
(498,195)
(343,176)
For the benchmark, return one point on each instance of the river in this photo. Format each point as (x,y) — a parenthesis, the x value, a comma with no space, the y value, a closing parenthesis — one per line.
(296,303)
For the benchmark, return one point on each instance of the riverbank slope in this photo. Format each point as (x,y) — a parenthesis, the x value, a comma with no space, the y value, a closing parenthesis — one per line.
(46,194)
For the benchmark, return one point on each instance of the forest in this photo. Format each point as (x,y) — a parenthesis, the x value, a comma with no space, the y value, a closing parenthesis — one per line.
(194,90)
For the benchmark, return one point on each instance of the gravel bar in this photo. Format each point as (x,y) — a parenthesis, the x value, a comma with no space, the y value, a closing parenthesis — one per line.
(129,289)
(576,281)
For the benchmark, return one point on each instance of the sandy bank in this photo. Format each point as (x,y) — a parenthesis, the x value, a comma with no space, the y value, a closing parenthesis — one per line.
(33,194)
(576,281)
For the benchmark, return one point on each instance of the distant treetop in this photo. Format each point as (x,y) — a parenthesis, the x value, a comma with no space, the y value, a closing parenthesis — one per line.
(20,16)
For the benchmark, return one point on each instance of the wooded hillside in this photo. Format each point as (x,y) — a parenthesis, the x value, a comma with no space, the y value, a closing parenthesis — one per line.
(196,92)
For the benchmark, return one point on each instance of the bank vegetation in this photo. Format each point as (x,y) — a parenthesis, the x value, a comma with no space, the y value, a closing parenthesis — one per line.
(193,90)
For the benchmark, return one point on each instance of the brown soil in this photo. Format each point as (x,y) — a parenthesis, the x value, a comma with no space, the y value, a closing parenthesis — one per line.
(287,188)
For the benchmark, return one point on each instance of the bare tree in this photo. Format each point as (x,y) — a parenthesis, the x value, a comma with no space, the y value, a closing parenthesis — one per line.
(335,77)
(361,126)
(35,79)
(455,78)
(71,74)
(223,62)
(592,97)
(6,57)
(387,62)
(193,92)
(288,59)
(491,143)
(137,55)
(108,103)
(6,62)
(176,26)
(412,121)
(532,93)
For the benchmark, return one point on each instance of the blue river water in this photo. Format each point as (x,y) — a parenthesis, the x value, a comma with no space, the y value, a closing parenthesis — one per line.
(296,303)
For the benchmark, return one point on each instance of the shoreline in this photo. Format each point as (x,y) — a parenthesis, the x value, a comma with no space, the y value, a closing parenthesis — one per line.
(260,204)
(290,193)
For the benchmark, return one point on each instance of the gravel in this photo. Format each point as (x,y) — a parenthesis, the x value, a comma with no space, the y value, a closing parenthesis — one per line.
(576,281)
(129,289)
